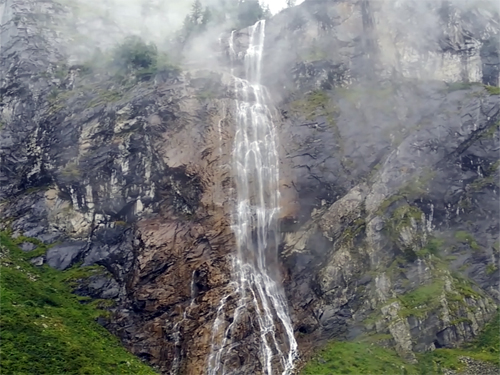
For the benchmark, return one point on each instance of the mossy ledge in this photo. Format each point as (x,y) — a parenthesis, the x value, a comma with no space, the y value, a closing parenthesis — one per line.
(45,329)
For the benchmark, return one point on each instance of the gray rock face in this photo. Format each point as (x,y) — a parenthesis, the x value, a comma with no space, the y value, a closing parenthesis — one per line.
(62,256)
(27,246)
(327,43)
(389,177)
(37,261)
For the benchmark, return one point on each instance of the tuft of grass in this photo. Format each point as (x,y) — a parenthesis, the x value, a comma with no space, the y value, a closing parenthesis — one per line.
(456,86)
(421,300)
(491,268)
(492,90)
(467,238)
(432,247)
(315,104)
(105,97)
(40,248)
(45,329)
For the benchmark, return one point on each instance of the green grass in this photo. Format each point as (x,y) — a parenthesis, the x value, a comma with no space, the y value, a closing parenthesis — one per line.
(421,300)
(316,103)
(433,247)
(105,97)
(45,329)
(40,248)
(363,358)
(493,90)
(491,268)
(464,237)
(357,358)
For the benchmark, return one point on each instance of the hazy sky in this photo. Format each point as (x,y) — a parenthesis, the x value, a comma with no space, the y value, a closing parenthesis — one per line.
(276,5)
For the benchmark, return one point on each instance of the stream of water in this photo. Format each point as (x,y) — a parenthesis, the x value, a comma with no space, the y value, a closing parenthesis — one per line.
(256,278)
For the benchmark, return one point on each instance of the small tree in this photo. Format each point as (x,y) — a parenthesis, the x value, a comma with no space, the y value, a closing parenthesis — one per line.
(195,22)
(135,54)
(196,13)
(249,12)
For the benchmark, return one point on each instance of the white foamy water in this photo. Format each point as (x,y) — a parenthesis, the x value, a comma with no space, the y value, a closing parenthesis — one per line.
(256,285)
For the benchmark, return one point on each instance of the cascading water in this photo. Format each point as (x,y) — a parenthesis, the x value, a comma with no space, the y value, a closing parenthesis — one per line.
(255,281)
(177,329)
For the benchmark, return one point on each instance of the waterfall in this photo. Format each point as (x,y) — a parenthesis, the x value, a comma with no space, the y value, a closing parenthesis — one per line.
(256,278)
(177,329)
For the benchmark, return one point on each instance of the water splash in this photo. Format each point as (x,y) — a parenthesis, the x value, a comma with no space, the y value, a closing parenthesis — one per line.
(256,285)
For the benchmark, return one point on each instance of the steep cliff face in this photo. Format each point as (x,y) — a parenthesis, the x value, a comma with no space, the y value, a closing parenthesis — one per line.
(388,173)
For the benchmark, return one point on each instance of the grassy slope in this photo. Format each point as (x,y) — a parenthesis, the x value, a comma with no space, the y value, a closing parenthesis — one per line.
(45,329)
(357,358)
(365,358)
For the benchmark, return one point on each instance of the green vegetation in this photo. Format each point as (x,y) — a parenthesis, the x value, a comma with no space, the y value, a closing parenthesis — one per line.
(404,218)
(421,300)
(496,246)
(56,99)
(491,131)
(45,329)
(249,12)
(491,268)
(377,94)
(467,238)
(357,358)
(134,53)
(481,183)
(316,103)
(492,90)
(104,97)
(456,86)
(40,248)
(71,170)
(141,59)
(315,52)
(205,95)
(365,358)
(432,247)
(404,215)
(484,348)
(232,15)
(416,187)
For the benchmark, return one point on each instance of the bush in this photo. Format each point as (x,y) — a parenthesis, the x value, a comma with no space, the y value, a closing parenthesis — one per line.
(135,54)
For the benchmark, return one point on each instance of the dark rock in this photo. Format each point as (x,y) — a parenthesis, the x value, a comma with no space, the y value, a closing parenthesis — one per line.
(64,255)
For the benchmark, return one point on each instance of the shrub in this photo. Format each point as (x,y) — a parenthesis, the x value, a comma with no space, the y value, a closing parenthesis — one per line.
(135,54)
